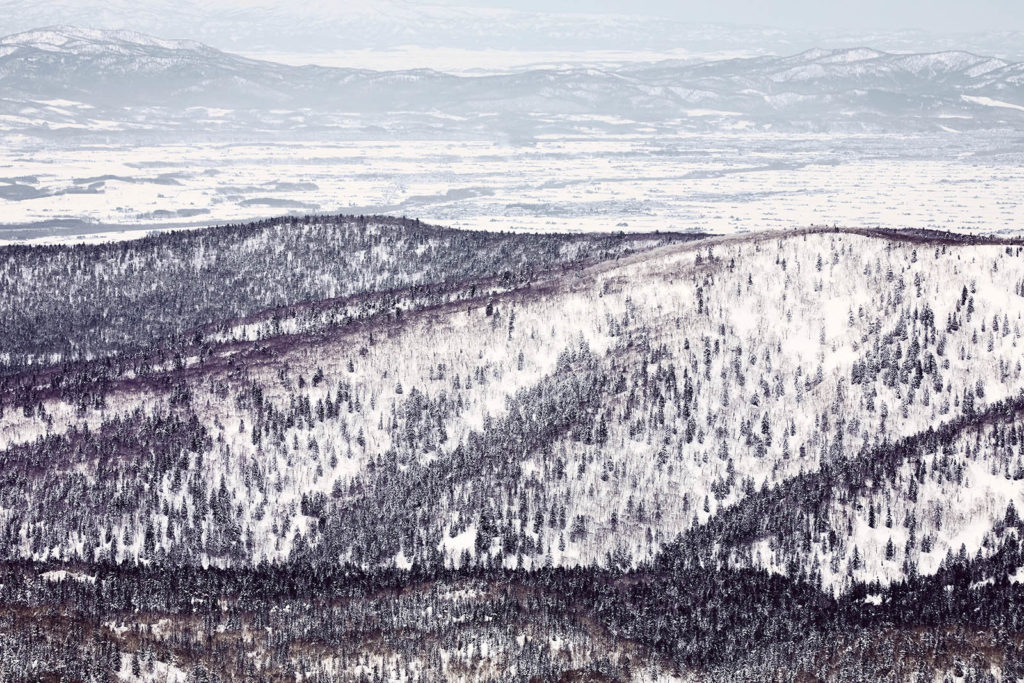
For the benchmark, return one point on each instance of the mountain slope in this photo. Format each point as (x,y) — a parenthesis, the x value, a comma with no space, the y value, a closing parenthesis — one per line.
(647,457)
(917,505)
(584,417)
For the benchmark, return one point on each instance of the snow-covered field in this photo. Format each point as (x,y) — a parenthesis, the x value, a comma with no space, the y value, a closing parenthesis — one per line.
(612,175)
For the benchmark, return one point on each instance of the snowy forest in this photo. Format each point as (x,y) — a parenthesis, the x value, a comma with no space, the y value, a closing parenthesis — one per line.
(360,448)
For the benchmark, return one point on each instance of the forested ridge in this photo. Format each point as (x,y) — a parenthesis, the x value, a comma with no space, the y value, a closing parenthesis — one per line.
(86,301)
(362,448)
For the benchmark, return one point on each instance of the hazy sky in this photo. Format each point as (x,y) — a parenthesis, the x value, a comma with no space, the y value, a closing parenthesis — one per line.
(929,15)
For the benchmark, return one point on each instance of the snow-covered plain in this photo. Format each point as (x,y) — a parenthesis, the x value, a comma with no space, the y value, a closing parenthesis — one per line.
(611,175)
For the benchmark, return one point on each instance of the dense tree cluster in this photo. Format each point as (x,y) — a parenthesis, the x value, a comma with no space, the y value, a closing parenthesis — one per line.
(103,622)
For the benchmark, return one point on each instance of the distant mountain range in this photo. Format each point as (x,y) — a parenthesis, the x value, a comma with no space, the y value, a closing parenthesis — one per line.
(321,26)
(71,79)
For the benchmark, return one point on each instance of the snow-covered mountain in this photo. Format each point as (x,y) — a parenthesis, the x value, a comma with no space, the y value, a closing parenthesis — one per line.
(82,41)
(127,77)
(519,416)
(312,27)
(374,426)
